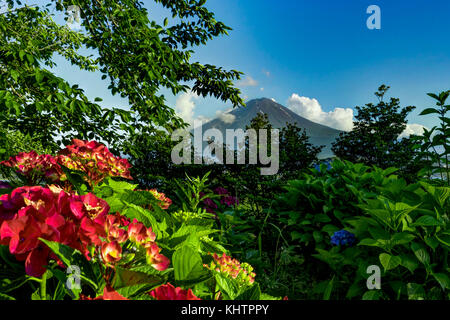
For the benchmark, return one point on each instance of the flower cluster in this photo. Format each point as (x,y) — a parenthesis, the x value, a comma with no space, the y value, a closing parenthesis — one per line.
(145,237)
(342,238)
(95,160)
(30,213)
(210,205)
(35,167)
(81,222)
(185,216)
(169,292)
(226,200)
(164,202)
(225,265)
(90,157)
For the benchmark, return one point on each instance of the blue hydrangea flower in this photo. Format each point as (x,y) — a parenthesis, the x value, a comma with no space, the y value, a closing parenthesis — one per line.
(327,162)
(343,238)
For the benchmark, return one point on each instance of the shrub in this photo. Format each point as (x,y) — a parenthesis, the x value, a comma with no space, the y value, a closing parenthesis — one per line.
(120,241)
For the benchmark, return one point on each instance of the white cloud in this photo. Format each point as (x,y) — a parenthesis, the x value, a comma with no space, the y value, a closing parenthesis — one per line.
(413,128)
(310,109)
(185,105)
(248,82)
(225,116)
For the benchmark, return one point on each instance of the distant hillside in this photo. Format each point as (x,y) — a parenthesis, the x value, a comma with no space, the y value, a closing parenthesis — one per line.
(278,117)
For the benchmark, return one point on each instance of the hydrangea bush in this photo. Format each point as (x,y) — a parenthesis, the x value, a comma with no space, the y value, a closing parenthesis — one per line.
(77,211)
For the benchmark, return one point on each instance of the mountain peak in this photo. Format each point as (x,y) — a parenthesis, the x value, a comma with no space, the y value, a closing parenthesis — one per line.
(278,116)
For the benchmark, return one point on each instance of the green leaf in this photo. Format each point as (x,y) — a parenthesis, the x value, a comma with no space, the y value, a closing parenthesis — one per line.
(372,295)
(328,289)
(63,252)
(330,229)
(317,236)
(295,235)
(62,277)
(142,215)
(374,243)
(14,74)
(265,296)
(428,221)
(443,280)
(428,111)
(39,75)
(432,242)
(389,262)
(4,296)
(252,293)
(118,186)
(402,238)
(415,291)
(409,262)
(70,256)
(125,278)
(421,253)
(227,285)
(188,265)
(321,218)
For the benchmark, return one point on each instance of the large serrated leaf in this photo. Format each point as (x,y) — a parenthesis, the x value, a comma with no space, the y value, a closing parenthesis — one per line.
(389,262)
(443,280)
(187,264)
(421,253)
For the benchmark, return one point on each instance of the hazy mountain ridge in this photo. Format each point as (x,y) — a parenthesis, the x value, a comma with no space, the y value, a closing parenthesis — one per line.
(278,115)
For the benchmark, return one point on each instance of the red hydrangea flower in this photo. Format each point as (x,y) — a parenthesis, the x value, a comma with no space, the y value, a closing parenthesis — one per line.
(155,259)
(169,292)
(165,202)
(138,233)
(30,213)
(35,167)
(227,266)
(90,206)
(80,222)
(11,203)
(111,252)
(95,160)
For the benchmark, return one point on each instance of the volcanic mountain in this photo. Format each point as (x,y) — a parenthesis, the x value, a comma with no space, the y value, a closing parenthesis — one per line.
(278,116)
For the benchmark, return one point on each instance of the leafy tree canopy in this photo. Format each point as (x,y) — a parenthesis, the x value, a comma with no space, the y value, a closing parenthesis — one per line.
(137,55)
(374,139)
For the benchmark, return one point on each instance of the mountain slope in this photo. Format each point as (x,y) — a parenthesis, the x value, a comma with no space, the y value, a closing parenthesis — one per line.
(278,117)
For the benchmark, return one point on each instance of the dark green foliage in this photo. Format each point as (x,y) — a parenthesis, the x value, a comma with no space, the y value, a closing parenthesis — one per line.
(137,55)
(296,152)
(320,203)
(13,142)
(374,139)
(434,145)
(402,228)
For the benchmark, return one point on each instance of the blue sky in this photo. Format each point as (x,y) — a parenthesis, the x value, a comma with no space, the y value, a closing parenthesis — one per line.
(315,56)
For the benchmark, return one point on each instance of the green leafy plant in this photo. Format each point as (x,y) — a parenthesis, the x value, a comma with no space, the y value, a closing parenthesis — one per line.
(434,144)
